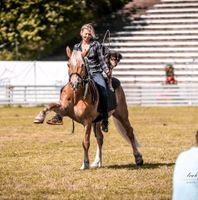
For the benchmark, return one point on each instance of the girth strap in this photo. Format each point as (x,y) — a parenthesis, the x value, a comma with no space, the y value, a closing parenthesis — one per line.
(86,90)
(91,88)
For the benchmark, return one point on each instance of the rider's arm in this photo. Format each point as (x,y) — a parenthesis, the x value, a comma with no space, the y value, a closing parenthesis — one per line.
(102,59)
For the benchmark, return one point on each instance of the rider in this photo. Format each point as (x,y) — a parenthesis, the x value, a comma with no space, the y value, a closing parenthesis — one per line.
(96,65)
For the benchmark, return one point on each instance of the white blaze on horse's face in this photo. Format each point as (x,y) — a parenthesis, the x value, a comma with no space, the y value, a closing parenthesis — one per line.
(76,70)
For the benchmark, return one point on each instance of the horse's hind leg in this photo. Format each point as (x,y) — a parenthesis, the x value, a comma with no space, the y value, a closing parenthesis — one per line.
(40,118)
(99,137)
(124,127)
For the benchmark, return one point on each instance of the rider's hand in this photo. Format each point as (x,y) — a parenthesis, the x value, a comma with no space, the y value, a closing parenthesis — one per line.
(107,72)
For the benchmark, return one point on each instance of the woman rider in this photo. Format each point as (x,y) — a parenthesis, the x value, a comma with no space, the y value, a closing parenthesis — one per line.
(96,65)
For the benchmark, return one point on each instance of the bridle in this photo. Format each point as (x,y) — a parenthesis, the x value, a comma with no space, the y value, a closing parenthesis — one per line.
(80,80)
(77,74)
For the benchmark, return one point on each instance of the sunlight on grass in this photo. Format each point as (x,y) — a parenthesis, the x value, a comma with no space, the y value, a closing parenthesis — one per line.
(42,161)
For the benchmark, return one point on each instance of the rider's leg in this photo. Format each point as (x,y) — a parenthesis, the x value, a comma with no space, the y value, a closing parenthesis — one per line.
(57,119)
(99,79)
(104,100)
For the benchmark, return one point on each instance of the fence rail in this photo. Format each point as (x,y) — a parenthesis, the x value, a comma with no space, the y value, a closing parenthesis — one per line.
(167,95)
(28,95)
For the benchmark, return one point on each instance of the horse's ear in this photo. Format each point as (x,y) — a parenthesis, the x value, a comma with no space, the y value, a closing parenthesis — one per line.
(84,53)
(68,52)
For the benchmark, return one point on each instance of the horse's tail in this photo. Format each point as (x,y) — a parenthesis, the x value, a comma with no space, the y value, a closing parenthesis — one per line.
(122,131)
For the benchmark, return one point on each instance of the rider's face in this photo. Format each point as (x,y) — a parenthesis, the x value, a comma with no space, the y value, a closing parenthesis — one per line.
(86,35)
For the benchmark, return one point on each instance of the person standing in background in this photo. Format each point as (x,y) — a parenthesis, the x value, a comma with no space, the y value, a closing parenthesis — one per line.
(185,177)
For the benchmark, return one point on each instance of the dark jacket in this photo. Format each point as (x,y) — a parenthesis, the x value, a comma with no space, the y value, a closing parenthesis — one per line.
(95,57)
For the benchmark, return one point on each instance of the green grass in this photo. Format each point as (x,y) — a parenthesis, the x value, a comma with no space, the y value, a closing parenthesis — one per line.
(42,161)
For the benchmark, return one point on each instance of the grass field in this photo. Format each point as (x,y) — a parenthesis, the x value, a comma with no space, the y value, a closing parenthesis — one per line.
(42,161)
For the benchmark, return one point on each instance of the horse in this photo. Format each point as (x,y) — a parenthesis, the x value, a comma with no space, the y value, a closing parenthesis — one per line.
(79,100)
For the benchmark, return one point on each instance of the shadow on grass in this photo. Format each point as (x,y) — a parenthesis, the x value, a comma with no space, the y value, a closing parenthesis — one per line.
(144,166)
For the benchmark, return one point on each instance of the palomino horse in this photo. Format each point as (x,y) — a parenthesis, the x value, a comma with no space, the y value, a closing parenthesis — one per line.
(79,100)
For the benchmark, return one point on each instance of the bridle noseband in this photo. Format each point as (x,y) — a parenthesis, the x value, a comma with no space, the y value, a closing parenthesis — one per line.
(81,80)
(77,74)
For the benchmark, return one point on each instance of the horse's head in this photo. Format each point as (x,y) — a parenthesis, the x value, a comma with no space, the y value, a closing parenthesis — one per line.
(77,69)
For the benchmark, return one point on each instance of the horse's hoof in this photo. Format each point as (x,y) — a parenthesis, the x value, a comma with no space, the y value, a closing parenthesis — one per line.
(139,161)
(85,166)
(95,165)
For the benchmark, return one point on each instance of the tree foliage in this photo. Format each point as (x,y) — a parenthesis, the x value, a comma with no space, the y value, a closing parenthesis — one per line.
(32,29)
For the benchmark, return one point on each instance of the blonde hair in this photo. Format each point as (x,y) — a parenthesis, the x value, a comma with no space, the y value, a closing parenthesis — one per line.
(90,28)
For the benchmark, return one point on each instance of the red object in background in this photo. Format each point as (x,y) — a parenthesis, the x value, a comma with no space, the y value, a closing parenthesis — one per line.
(170,77)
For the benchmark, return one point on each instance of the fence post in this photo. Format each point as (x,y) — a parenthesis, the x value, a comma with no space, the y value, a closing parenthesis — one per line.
(25,94)
(9,93)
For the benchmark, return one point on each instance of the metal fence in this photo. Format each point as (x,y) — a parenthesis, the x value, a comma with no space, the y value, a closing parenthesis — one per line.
(28,95)
(167,95)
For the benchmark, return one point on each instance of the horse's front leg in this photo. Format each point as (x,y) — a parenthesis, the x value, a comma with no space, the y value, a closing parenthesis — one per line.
(40,118)
(99,136)
(86,144)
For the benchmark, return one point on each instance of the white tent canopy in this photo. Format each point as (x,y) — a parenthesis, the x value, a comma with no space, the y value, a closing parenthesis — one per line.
(33,73)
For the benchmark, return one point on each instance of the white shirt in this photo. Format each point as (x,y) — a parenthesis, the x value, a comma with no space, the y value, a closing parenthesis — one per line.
(185,178)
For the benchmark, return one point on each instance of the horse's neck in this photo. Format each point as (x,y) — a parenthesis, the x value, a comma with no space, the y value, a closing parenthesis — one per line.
(78,95)
(87,93)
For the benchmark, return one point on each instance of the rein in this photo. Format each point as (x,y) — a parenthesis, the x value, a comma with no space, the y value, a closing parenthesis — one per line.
(77,74)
